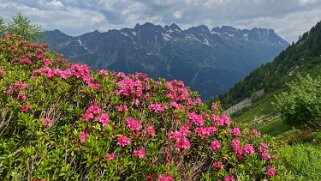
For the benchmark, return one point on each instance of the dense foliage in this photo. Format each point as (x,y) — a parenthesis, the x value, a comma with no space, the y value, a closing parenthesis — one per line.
(299,57)
(303,160)
(63,121)
(301,105)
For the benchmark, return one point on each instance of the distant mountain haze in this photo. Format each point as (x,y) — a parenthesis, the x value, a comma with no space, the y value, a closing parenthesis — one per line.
(209,61)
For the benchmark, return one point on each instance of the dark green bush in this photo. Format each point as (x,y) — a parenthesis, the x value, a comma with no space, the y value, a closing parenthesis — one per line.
(301,105)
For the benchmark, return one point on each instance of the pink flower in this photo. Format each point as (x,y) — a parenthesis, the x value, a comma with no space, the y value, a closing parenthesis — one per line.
(26,108)
(208,131)
(80,71)
(121,108)
(236,143)
(175,105)
(133,124)
(271,172)
(182,143)
(197,119)
(215,145)
(137,102)
(198,101)
(46,62)
(104,73)
(150,176)
(238,150)
(110,156)
(229,178)
(235,131)
(263,147)
(25,60)
(165,178)
(123,141)
(83,137)
(46,122)
(226,119)
(39,179)
(103,119)
(91,112)
(218,165)
(130,88)
(249,149)
(255,133)
(184,130)
(214,107)
(173,134)
(94,110)
(19,85)
(21,97)
(149,130)
(265,155)
(140,153)
(157,107)
(217,119)
(87,116)
(65,74)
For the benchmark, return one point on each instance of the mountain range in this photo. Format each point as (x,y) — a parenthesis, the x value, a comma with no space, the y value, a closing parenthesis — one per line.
(208,61)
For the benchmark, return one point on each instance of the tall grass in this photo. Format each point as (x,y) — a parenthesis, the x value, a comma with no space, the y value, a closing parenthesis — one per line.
(303,160)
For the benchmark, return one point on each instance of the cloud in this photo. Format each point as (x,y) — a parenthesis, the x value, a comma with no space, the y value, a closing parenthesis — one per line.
(178,14)
(289,18)
(56,4)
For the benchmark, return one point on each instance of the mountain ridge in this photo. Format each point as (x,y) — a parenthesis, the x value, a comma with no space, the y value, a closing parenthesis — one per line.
(209,61)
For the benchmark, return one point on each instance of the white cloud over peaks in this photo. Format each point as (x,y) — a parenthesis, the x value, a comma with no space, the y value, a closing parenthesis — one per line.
(178,14)
(288,17)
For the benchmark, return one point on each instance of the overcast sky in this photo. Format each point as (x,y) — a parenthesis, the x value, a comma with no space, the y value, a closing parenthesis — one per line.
(289,18)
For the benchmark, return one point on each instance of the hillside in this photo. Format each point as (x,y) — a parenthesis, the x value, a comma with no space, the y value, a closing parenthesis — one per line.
(63,121)
(302,57)
(208,61)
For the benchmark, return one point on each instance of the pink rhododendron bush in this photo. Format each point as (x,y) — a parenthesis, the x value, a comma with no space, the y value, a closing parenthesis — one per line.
(63,121)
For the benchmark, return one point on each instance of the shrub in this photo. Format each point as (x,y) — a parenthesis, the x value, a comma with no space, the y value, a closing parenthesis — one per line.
(301,105)
(63,121)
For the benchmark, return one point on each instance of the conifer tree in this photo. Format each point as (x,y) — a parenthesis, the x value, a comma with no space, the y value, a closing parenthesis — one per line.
(22,26)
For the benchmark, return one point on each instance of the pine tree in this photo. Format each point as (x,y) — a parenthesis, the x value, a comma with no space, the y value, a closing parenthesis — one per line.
(2,26)
(22,26)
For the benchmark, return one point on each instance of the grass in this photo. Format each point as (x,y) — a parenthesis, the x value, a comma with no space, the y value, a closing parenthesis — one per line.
(303,160)
(275,127)
(262,107)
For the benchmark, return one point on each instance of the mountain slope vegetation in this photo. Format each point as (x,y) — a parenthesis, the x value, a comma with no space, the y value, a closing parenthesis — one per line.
(300,57)
(290,107)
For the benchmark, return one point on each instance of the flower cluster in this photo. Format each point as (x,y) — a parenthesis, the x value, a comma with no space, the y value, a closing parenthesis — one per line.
(196,118)
(133,124)
(181,141)
(107,125)
(157,107)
